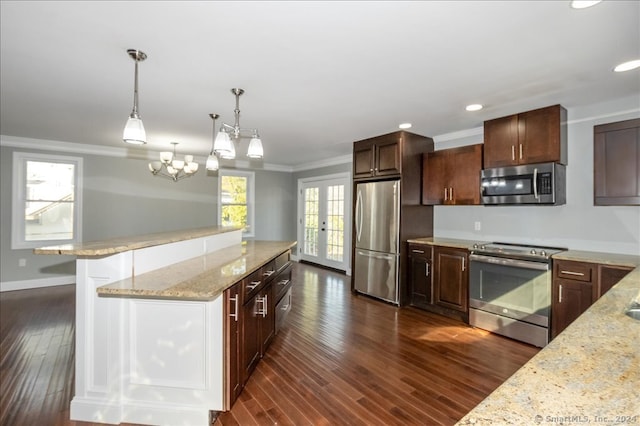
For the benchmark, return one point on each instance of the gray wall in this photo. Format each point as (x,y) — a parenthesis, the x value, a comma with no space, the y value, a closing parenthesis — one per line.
(121,198)
(578,224)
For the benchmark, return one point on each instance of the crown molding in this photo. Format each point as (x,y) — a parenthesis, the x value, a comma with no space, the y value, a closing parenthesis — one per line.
(476,131)
(110,151)
(343,159)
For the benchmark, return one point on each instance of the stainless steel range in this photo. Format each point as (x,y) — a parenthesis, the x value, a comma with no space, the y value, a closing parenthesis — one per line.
(510,290)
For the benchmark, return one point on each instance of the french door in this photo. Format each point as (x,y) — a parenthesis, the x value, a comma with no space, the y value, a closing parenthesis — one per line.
(323,224)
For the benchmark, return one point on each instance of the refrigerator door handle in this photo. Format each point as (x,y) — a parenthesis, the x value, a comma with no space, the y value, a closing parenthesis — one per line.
(359,214)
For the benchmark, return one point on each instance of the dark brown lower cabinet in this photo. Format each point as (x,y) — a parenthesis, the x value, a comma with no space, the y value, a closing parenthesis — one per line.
(250,320)
(419,275)
(570,300)
(451,278)
(251,339)
(576,286)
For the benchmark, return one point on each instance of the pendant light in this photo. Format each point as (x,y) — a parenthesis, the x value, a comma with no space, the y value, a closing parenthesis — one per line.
(224,146)
(134,129)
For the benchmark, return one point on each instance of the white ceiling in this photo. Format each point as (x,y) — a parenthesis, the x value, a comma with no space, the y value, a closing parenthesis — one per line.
(317,75)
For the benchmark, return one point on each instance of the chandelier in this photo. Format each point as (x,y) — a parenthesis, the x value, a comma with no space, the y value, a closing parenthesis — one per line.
(134,129)
(171,168)
(224,145)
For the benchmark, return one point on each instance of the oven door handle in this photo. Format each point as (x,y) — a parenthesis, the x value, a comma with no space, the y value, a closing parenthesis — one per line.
(509,262)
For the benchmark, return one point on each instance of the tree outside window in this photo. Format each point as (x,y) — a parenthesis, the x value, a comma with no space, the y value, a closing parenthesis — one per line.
(235,197)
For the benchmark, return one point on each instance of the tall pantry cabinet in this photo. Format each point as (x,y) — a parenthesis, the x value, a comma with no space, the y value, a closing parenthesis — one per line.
(393,156)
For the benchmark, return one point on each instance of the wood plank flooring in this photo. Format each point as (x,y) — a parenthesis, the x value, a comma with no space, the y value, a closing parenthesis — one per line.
(339,360)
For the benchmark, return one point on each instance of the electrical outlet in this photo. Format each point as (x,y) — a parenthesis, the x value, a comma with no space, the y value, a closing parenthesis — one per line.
(477,226)
(22,263)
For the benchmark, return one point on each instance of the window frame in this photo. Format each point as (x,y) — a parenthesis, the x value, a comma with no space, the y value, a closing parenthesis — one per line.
(250,176)
(18,240)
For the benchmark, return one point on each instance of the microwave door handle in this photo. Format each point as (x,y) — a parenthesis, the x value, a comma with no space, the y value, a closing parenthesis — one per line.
(535,183)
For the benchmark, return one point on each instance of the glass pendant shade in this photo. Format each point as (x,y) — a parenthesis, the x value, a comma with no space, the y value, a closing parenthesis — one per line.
(229,154)
(212,162)
(177,164)
(166,157)
(134,132)
(223,145)
(255,148)
(155,166)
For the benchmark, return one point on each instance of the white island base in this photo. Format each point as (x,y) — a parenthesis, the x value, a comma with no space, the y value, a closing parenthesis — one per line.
(148,361)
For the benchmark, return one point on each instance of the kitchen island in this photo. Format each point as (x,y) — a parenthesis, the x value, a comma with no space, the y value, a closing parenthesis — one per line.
(588,374)
(150,344)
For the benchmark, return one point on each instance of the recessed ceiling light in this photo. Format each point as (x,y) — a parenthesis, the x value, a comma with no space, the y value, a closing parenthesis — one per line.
(628,66)
(583,4)
(473,107)
(405,126)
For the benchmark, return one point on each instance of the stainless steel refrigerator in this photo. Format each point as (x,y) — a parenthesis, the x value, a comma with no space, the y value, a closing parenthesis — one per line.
(377,239)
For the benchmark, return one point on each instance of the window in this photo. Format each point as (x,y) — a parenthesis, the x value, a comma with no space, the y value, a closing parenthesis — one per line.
(236,200)
(47,200)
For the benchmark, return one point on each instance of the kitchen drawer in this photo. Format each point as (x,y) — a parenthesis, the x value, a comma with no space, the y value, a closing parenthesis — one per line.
(251,284)
(282,309)
(282,260)
(420,250)
(575,271)
(282,282)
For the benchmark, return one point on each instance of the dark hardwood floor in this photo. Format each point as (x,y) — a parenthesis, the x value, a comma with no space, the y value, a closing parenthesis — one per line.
(338,360)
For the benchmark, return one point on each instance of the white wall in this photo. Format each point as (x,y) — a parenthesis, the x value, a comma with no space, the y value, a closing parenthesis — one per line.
(578,225)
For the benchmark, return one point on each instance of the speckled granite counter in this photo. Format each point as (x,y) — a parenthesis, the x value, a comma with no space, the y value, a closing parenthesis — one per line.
(446,242)
(200,278)
(120,245)
(589,373)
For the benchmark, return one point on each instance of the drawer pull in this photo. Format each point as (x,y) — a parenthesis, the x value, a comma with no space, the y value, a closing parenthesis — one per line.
(578,274)
(417,251)
(253,285)
(285,307)
(234,315)
(268,273)
(283,282)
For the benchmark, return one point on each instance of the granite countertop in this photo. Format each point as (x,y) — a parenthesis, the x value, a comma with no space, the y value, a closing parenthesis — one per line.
(446,242)
(119,245)
(201,278)
(588,373)
(597,257)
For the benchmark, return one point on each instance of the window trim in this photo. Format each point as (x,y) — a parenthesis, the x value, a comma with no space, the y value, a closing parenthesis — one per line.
(250,176)
(18,196)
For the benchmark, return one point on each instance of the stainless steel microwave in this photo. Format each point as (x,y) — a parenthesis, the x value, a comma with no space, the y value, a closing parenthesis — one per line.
(542,183)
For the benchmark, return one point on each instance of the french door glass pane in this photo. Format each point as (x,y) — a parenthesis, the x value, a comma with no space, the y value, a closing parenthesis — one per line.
(311,221)
(335,223)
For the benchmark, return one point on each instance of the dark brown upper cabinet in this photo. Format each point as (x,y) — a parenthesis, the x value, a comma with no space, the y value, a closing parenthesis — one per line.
(537,136)
(377,157)
(616,168)
(452,176)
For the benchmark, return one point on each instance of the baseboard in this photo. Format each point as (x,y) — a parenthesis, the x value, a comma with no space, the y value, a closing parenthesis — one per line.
(37,283)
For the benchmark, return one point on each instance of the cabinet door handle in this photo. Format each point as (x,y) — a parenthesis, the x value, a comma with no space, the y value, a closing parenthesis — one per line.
(264,312)
(578,274)
(450,194)
(426,271)
(521,151)
(560,293)
(513,153)
(234,315)
(417,251)
(445,194)
(463,264)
